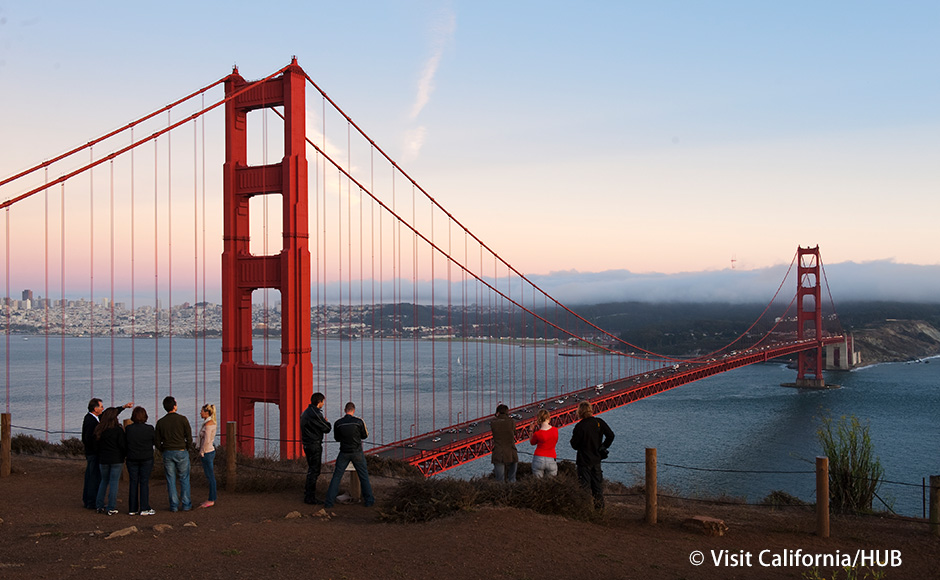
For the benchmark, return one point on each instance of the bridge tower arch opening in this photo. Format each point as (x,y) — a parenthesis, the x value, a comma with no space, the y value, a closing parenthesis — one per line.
(244,382)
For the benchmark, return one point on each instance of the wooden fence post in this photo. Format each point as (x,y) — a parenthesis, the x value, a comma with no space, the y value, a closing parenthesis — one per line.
(652,503)
(5,444)
(230,449)
(935,505)
(822,497)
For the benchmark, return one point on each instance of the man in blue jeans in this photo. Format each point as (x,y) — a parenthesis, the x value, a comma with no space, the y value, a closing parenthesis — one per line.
(174,439)
(349,432)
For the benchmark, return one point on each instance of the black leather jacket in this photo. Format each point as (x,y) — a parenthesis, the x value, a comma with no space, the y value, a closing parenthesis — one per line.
(313,426)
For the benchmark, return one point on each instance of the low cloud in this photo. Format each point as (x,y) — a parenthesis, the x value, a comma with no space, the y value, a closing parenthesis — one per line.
(847,281)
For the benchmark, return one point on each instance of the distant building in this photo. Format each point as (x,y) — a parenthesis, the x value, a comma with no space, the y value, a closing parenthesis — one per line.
(28,295)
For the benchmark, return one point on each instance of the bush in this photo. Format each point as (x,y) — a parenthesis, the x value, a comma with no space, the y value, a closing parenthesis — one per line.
(29,445)
(854,471)
(423,500)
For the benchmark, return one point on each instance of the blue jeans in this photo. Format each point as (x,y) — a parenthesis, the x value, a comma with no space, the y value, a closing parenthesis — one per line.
(176,463)
(208,467)
(138,473)
(110,474)
(92,482)
(358,459)
(542,466)
(505,471)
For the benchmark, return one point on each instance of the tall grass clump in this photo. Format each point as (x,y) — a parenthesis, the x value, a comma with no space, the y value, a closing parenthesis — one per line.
(854,471)
(29,445)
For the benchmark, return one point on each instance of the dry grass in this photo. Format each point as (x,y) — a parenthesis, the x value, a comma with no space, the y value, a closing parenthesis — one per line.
(423,500)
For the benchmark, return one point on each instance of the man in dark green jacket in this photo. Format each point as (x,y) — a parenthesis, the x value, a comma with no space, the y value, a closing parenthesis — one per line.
(174,440)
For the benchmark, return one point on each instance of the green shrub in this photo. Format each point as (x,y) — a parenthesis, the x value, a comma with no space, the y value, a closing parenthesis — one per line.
(854,471)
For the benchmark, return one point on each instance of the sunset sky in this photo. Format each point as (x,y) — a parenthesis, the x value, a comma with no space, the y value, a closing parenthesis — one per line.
(648,137)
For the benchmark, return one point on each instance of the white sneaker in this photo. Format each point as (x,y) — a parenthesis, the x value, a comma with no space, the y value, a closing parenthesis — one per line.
(147,513)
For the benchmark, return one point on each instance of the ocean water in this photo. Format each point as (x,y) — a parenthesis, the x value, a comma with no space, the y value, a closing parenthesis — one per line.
(717,436)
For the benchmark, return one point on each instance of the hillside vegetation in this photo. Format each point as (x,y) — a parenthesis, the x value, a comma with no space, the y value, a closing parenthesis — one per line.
(884,331)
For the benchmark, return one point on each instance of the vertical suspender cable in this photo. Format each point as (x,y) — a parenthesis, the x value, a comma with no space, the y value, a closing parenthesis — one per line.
(381,323)
(339,276)
(196,262)
(372,277)
(433,338)
(169,254)
(362,346)
(111,299)
(205,301)
(133,284)
(156,279)
(62,302)
(349,238)
(450,331)
(414,322)
(91,277)
(45,297)
(9,307)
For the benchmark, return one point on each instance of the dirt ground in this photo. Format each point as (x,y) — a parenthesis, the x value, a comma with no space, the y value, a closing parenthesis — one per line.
(45,533)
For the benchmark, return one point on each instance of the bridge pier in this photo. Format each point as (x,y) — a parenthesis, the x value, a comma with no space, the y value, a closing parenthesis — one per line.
(842,356)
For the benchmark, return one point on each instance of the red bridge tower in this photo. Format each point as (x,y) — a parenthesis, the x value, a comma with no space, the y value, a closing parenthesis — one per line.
(244,382)
(809,312)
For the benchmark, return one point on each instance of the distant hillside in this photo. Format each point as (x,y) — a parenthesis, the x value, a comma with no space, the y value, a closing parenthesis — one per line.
(897,340)
(884,331)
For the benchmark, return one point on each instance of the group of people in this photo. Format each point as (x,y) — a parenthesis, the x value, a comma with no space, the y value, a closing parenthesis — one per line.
(349,431)
(109,446)
(591,438)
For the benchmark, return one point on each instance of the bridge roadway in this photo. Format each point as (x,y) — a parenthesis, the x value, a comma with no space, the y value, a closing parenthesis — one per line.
(441,450)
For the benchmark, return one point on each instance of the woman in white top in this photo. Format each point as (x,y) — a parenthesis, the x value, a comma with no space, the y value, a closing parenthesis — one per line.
(207,449)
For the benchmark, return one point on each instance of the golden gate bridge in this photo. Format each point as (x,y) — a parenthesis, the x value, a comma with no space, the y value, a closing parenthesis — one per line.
(372,290)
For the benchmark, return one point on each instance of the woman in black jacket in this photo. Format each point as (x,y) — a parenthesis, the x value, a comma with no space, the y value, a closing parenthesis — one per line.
(140,441)
(112,447)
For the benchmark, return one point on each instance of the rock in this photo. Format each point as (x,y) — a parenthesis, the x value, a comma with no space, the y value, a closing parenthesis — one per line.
(321,514)
(122,532)
(190,525)
(293,515)
(711,526)
(161,528)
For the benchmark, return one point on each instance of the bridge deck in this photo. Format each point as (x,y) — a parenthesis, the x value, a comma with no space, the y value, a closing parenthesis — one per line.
(452,446)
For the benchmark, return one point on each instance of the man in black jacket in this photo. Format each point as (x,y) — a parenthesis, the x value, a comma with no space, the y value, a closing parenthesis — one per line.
(591,437)
(92,472)
(349,431)
(313,426)
(92,469)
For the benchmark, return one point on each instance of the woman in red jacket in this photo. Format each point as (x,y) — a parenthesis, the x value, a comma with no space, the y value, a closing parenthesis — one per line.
(544,437)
